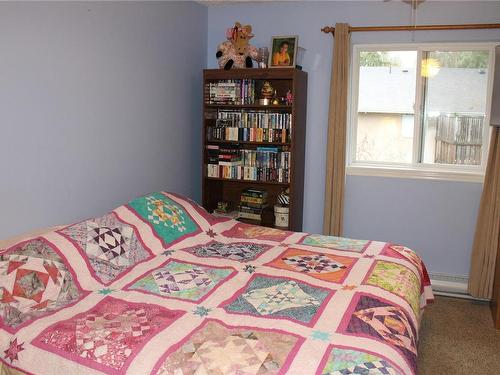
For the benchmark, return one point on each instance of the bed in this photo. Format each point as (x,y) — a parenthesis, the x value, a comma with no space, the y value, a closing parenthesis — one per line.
(159,286)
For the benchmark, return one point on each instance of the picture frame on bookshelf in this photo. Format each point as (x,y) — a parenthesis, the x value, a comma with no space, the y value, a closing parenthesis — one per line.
(283,51)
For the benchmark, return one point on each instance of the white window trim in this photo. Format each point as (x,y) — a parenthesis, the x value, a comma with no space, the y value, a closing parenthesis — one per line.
(415,169)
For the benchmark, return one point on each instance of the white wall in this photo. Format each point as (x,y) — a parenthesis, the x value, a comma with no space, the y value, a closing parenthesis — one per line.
(99,103)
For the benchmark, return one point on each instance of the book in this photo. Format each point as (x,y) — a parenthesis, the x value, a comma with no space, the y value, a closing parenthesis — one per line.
(230,163)
(251,216)
(213,170)
(250,209)
(251,192)
(253,201)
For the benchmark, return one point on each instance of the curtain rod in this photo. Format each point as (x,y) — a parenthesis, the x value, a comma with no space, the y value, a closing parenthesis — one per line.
(471,26)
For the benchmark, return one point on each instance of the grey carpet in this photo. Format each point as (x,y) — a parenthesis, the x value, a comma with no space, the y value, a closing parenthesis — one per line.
(457,337)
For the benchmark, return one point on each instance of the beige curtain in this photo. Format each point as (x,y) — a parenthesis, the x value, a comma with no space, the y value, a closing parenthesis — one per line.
(486,241)
(337,130)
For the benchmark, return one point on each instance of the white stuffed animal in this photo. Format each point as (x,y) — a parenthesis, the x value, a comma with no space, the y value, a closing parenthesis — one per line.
(236,51)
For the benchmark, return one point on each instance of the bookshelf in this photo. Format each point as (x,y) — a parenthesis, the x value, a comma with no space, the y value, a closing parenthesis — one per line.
(267,142)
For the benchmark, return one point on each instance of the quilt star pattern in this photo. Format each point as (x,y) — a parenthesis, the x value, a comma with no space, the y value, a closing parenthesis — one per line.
(279,297)
(345,361)
(338,243)
(160,286)
(181,280)
(374,317)
(167,218)
(107,335)
(321,266)
(216,348)
(34,281)
(109,246)
(236,251)
(398,279)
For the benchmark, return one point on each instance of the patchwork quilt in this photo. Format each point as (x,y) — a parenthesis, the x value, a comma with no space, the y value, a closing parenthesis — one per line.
(159,286)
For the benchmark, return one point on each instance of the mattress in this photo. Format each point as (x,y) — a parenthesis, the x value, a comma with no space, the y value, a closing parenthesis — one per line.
(159,286)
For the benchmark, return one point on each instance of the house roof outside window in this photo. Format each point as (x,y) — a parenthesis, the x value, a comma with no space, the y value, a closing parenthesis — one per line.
(392,90)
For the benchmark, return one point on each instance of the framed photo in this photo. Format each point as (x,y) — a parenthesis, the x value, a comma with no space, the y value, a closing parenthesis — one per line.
(283,51)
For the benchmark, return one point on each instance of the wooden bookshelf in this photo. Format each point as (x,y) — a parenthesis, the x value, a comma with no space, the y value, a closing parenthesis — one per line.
(215,189)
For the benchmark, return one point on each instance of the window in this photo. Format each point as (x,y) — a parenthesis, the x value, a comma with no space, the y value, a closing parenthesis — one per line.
(422,108)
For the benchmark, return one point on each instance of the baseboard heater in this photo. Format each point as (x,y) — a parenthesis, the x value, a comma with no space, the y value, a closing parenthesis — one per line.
(446,284)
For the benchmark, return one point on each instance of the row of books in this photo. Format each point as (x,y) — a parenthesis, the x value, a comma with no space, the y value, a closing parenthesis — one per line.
(231,91)
(248,173)
(266,158)
(247,134)
(254,119)
(262,157)
(252,203)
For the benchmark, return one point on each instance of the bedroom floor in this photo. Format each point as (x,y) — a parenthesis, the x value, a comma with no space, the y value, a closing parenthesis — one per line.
(457,337)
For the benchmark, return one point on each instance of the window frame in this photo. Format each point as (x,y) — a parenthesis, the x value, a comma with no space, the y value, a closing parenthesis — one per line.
(415,169)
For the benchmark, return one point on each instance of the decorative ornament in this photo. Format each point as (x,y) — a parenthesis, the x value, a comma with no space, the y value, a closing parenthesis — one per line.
(210,233)
(167,253)
(222,206)
(249,268)
(105,291)
(12,352)
(284,197)
(320,336)
(266,93)
(201,311)
(276,100)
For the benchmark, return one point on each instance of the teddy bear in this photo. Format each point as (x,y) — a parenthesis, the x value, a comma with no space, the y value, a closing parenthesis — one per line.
(236,51)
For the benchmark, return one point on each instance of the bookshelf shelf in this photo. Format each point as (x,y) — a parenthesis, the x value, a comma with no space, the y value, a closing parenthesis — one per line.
(287,144)
(248,181)
(270,107)
(281,162)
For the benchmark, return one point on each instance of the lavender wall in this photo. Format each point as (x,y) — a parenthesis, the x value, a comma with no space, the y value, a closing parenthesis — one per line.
(436,218)
(99,102)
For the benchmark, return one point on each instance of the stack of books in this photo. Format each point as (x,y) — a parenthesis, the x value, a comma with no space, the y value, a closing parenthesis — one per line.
(252,203)
(230,156)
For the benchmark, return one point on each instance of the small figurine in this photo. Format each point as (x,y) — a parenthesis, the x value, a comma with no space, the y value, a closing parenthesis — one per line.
(275,101)
(222,206)
(267,93)
(284,197)
(289,97)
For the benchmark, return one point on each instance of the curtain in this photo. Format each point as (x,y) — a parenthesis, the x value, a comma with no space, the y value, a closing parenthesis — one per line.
(337,130)
(486,240)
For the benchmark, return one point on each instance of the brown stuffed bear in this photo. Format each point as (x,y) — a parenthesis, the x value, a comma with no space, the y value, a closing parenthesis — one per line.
(236,51)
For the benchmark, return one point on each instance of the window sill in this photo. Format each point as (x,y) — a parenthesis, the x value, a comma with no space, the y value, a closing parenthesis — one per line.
(418,173)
